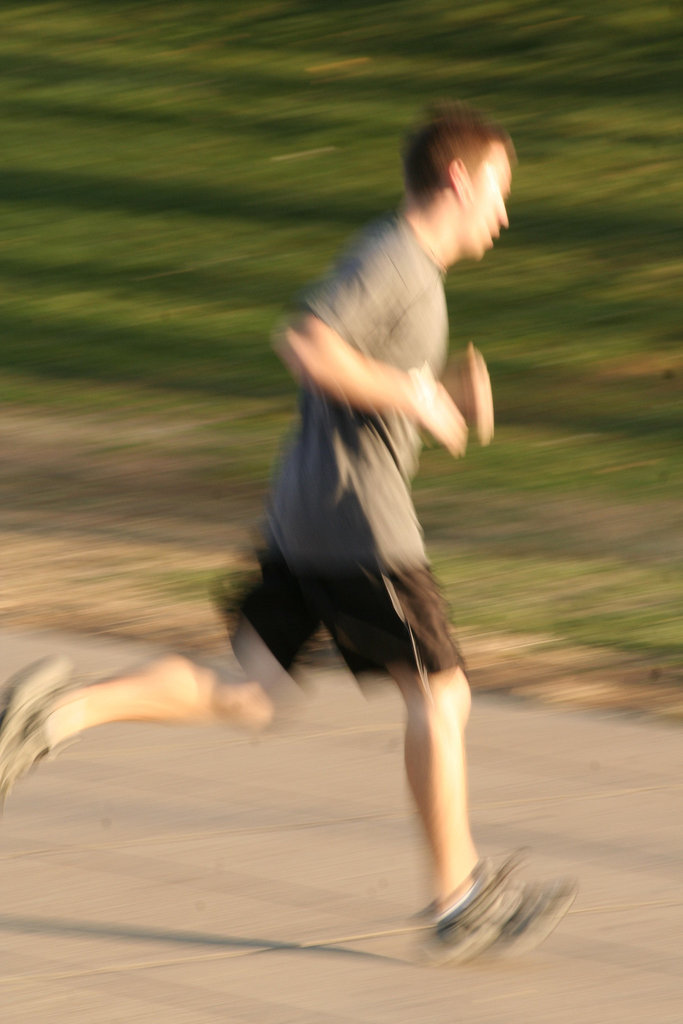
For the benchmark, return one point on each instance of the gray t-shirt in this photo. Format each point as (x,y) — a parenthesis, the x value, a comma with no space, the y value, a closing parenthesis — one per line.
(342,496)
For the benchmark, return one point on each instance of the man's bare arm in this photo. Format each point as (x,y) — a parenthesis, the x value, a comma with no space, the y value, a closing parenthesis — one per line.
(316,354)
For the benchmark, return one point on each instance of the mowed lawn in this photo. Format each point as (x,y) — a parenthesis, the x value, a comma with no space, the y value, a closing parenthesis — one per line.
(172,174)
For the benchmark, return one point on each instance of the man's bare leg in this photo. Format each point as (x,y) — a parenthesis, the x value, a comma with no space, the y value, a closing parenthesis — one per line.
(41,710)
(174,689)
(170,690)
(436,770)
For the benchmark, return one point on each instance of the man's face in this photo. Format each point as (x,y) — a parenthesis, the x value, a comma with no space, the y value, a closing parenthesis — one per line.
(483,211)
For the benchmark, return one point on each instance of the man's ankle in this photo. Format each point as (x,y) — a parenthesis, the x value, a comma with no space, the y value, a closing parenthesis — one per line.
(463,895)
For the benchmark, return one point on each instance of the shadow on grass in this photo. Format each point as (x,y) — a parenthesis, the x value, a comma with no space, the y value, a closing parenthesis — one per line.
(79,190)
(643,230)
(239,276)
(150,355)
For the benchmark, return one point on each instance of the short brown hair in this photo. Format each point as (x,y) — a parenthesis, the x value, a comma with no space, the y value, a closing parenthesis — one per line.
(451,131)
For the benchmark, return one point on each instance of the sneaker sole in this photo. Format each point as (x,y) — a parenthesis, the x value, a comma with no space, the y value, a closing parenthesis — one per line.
(30,683)
(480,925)
(24,694)
(538,916)
(437,953)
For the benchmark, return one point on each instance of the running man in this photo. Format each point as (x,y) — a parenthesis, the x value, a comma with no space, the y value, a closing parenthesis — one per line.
(343,546)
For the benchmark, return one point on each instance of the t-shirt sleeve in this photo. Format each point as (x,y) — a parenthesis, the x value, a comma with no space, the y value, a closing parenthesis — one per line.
(356,300)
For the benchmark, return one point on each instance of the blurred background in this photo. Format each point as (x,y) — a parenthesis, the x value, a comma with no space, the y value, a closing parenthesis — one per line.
(171,175)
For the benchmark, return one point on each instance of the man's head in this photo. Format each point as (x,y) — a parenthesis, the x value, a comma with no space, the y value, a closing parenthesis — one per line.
(459,164)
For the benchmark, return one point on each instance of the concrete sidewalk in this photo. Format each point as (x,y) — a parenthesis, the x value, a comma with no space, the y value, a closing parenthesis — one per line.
(187,875)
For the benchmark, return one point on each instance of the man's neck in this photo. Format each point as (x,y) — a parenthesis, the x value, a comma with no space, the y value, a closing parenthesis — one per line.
(426,223)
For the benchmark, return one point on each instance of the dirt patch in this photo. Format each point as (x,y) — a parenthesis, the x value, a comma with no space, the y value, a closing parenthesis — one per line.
(102,525)
(120,528)
(653,366)
(578,677)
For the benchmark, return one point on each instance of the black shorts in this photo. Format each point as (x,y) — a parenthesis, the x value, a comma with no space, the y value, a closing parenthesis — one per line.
(375,619)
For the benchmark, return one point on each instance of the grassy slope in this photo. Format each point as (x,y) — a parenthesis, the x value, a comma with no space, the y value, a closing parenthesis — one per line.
(172,174)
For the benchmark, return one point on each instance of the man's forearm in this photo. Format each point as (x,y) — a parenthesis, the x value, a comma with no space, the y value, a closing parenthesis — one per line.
(315,354)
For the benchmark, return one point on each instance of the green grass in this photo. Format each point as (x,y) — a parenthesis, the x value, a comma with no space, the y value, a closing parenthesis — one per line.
(172,174)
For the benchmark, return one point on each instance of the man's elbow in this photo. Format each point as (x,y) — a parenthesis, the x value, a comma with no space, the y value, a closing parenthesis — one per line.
(284,342)
(312,352)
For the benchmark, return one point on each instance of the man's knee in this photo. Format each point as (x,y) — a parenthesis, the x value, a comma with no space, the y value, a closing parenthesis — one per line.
(173,666)
(451,694)
(175,671)
(440,697)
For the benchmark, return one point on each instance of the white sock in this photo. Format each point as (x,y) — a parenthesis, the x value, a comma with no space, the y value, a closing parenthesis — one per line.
(463,901)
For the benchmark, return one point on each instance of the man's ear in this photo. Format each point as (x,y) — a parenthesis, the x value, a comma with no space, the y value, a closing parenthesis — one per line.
(460,181)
